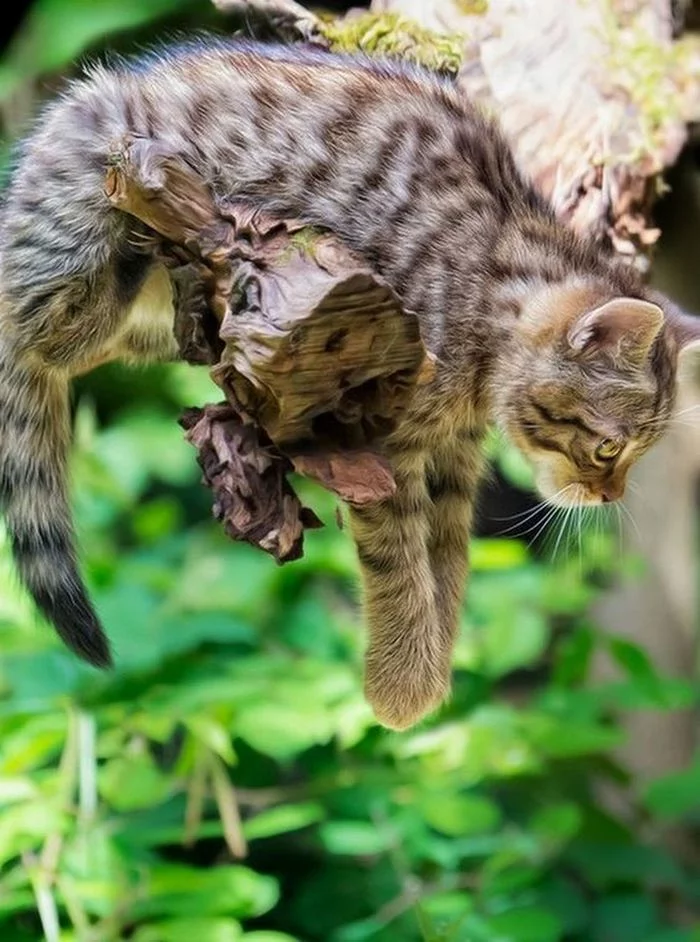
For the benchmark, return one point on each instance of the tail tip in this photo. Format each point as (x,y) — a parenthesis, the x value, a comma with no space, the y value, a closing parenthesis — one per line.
(96,651)
(79,628)
(88,640)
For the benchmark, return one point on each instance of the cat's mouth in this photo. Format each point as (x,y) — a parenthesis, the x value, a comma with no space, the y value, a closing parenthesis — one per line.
(576,493)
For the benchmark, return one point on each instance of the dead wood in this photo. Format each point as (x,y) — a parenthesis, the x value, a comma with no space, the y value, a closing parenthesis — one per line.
(287,19)
(252,497)
(594,97)
(312,349)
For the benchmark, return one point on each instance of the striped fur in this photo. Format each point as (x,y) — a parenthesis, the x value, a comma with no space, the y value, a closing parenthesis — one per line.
(406,172)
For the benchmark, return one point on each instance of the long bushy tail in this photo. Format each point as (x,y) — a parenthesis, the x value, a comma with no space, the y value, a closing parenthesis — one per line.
(34,442)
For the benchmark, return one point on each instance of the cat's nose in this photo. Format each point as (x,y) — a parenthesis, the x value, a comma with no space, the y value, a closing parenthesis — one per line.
(611,492)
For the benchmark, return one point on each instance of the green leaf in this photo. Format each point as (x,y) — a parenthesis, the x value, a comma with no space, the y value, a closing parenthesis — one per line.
(564,897)
(676,795)
(529,924)
(505,877)
(626,917)
(675,935)
(220,891)
(155,519)
(636,664)
(514,466)
(460,815)
(36,680)
(264,936)
(359,931)
(559,738)
(144,632)
(16,902)
(355,838)
(222,577)
(573,657)
(131,782)
(16,789)
(513,639)
(32,743)
(96,869)
(212,734)
(191,930)
(283,730)
(557,824)
(488,554)
(283,819)
(25,827)
(608,863)
(57,31)
(492,742)
(448,906)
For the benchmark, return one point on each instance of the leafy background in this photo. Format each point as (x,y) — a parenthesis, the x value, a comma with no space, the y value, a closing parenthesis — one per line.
(227,782)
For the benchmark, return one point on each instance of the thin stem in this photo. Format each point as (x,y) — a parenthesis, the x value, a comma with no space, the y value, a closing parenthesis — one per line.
(45,899)
(227,803)
(196,794)
(87,768)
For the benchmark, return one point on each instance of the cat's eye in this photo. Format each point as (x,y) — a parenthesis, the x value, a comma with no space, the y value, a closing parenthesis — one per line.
(608,449)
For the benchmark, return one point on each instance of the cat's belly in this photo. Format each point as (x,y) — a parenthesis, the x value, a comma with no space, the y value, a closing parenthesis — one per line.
(146,332)
(149,321)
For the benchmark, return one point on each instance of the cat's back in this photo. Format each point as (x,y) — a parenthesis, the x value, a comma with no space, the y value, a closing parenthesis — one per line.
(197,89)
(215,101)
(359,145)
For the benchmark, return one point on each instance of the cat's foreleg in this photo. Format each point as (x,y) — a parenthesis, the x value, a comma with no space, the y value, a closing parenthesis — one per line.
(406,674)
(452,481)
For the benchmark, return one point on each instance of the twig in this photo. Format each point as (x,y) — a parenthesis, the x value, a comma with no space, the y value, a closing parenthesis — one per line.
(227,803)
(196,794)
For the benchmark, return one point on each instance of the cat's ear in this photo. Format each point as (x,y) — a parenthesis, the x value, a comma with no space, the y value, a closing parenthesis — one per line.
(624,328)
(686,331)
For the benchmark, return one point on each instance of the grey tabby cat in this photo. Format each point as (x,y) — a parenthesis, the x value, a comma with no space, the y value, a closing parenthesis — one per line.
(533,327)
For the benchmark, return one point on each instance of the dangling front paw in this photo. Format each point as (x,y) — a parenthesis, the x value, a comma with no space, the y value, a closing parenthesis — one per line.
(402,691)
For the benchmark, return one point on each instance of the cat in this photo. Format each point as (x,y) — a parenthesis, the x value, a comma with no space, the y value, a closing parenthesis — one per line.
(533,327)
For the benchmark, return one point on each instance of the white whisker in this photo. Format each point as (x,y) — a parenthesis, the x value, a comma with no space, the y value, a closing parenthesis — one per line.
(626,511)
(527,515)
(562,530)
(545,523)
(619,527)
(523,515)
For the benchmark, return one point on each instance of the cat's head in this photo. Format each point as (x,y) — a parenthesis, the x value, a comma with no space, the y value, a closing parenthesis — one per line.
(590,386)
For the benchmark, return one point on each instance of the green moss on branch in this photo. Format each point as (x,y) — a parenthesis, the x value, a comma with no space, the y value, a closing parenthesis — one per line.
(393,35)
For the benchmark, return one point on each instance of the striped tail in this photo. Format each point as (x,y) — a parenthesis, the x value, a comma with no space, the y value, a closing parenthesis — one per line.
(34,442)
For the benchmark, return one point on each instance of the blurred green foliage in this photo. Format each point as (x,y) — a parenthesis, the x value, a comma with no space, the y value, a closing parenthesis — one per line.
(226,783)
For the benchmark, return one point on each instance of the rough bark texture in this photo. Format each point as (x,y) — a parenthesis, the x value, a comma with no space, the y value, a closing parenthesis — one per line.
(312,349)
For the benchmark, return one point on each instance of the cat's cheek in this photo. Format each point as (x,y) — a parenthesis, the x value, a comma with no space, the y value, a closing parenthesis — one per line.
(545,481)
(553,481)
